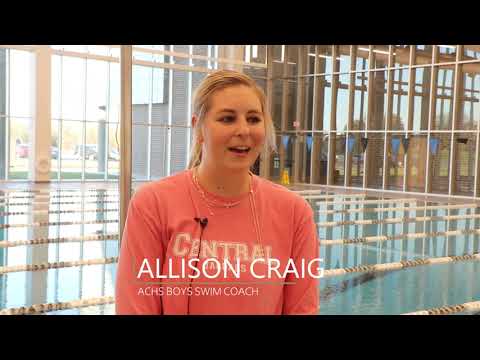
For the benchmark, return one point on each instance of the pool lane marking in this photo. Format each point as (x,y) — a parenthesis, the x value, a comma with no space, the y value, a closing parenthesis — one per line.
(71,211)
(42,241)
(368,201)
(60,203)
(448,309)
(397,220)
(400,265)
(55,223)
(56,265)
(378,238)
(57,196)
(49,307)
(393,209)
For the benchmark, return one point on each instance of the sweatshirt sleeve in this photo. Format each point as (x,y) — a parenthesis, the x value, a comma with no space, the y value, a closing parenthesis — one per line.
(142,239)
(302,298)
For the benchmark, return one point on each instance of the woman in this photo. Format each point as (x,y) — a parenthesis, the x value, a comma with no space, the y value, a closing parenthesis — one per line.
(217,239)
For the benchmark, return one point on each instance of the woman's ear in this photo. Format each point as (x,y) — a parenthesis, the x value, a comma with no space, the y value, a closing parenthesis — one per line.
(199,131)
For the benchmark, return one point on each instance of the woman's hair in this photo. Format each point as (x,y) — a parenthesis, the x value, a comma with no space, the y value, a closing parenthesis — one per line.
(219,80)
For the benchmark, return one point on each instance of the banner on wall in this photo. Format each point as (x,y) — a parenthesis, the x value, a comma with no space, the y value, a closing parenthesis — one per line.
(285,140)
(350,143)
(395,147)
(434,145)
(405,142)
(309,142)
(364,142)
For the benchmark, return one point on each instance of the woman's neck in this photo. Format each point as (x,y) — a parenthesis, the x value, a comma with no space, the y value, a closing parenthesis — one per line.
(223,183)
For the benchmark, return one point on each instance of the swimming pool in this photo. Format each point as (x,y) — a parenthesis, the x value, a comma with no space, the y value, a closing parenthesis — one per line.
(61,232)
(358,230)
(70,245)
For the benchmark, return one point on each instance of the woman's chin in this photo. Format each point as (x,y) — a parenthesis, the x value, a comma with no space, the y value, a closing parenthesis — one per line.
(239,165)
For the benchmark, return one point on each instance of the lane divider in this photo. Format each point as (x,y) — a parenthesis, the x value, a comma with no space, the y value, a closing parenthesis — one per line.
(60,203)
(57,196)
(397,220)
(313,191)
(42,241)
(53,190)
(11,213)
(409,236)
(448,309)
(396,201)
(49,307)
(330,196)
(327,273)
(56,265)
(400,265)
(47,223)
(428,207)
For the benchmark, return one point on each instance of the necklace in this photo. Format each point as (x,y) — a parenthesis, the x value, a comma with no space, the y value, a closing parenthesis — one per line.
(213,202)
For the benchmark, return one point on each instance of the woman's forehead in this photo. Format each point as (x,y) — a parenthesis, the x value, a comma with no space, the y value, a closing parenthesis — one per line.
(238,97)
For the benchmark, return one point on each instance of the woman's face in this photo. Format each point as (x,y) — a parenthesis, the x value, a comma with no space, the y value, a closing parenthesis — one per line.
(233,131)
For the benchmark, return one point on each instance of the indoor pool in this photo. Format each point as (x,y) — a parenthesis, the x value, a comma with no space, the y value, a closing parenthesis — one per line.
(358,230)
(73,236)
(382,255)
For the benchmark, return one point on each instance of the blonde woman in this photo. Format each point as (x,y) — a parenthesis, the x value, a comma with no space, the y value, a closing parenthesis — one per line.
(215,238)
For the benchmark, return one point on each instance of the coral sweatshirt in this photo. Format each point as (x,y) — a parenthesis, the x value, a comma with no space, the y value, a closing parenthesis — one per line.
(161,235)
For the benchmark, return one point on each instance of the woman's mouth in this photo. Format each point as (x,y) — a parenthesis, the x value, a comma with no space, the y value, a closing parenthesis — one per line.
(240,150)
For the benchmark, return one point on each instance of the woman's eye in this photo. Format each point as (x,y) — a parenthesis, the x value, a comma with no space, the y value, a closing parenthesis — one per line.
(254,119)
(227,119)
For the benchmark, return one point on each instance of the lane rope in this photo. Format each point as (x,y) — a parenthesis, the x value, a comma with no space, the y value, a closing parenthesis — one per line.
(12,190)
(60,203)
(370,201)
(448,309)
(409,236)
(54,223)
(397,220)
(400,265)
(57,196)
(49,307)
(311,191)
(428,207)
(56,265)
(42,241)
(72,211)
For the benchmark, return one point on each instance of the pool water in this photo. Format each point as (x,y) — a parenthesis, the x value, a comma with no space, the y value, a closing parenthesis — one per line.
(95,213)
(397,291)
(339,217)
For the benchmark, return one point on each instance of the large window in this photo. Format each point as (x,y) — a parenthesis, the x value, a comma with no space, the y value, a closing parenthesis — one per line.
(164,78)
(16,112)
(85,105)
(85,114)
(392,117)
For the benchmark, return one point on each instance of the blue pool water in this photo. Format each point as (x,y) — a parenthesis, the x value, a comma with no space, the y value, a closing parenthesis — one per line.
(390,292)
(398,291)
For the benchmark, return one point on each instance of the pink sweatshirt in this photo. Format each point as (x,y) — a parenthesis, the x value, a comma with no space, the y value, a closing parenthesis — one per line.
(160,228)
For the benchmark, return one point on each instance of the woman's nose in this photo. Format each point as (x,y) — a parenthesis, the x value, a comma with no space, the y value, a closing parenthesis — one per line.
(243,129)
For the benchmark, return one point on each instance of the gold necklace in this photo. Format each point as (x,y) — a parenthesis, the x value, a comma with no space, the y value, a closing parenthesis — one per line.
(212,202)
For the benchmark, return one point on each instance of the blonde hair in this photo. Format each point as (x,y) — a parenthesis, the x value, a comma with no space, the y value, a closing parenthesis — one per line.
(219,80)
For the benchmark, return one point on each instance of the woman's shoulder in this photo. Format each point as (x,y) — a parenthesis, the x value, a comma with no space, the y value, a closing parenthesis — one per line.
(282,195)
(162,189)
